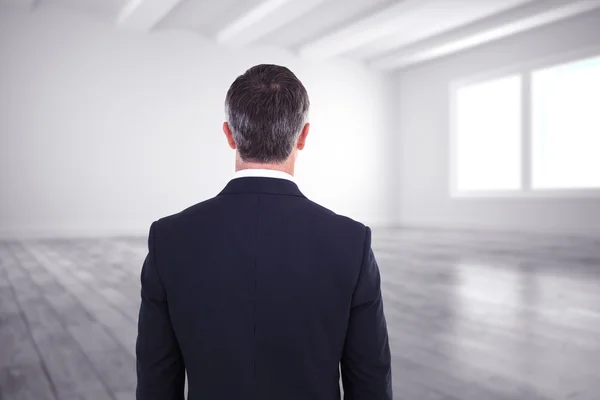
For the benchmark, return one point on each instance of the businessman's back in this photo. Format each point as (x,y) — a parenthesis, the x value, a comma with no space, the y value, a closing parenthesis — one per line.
(260,293)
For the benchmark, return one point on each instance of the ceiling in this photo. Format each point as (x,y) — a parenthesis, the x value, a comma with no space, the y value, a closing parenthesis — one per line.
(384,34)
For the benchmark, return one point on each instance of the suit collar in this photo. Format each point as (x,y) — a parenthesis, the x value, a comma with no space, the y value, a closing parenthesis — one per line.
(262,185)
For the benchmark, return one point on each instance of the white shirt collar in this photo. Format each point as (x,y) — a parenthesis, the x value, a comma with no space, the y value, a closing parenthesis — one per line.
(263,173)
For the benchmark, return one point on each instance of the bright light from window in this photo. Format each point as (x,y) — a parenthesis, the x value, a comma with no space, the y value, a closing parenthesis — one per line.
(488,136)
(566,126)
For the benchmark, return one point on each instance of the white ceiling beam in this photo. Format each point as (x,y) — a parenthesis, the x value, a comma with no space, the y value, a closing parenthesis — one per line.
(249,19)
(22,5)
(143,15)
(514,21)
(367,30)
(433,20)
(264,19)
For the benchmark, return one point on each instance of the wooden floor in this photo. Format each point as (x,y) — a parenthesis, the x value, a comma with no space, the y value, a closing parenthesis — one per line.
(471,316)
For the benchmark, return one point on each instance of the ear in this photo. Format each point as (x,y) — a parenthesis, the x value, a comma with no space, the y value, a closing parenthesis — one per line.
(229,135)
(302,137)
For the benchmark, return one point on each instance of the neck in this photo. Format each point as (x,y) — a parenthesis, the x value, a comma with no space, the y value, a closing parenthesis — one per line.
(287,166)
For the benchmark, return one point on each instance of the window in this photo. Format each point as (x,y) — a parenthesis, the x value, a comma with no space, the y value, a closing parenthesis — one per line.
(531,132)
(566,126)
(488,136)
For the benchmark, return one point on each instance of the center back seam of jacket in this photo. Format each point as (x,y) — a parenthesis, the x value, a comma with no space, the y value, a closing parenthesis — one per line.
(254,297)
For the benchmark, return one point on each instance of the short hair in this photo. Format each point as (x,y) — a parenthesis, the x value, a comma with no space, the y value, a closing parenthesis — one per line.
(266,108)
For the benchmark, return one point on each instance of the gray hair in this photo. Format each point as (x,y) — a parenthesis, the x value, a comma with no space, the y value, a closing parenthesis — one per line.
(266,109)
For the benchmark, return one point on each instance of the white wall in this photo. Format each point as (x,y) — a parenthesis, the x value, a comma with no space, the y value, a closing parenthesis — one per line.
(423,121)
(103,131)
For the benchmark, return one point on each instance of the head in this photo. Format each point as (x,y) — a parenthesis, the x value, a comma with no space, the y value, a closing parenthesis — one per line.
(267,116)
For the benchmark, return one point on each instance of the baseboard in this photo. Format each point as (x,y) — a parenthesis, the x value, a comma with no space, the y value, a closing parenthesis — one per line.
(484,229)
(71,233)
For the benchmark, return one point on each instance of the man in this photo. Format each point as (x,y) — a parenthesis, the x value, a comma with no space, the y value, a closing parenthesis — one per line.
(259,293)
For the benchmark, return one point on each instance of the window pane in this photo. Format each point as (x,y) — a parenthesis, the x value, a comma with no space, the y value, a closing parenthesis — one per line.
(566,126)
(488,135)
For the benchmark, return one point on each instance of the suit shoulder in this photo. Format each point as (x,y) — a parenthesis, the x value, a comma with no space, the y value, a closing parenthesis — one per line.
(185,214)
(336,219)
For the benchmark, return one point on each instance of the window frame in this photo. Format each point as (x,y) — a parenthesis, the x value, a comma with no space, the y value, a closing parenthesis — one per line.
(525,71)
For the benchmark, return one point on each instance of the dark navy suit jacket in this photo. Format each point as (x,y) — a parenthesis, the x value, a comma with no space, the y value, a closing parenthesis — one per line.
(261,294)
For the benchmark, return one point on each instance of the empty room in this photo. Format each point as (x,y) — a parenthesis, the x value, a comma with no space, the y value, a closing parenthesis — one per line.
(300,199)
